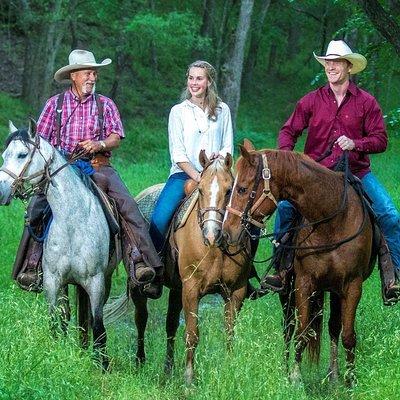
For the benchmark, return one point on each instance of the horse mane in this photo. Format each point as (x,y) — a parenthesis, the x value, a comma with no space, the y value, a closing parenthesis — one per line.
(21,134)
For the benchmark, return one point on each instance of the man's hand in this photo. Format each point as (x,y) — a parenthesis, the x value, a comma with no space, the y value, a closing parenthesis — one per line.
(91,146)
(345,143)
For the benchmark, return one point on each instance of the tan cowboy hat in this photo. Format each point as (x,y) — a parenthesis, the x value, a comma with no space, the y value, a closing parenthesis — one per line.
(78,59)
(339,49)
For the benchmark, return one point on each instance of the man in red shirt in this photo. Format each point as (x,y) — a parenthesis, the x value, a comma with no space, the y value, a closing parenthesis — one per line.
(342,116)
(79,116)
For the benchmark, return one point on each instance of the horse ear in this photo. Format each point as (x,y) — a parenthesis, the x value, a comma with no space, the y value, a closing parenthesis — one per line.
(244,153)
(248,145)
(32,128)
(12,127)
(228,160)
(203,158)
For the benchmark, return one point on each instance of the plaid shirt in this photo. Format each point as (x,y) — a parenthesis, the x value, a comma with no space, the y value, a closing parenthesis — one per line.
(79,120)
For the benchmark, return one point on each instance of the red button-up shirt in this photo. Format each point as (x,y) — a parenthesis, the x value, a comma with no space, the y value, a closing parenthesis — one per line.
(79,120)
(358,117)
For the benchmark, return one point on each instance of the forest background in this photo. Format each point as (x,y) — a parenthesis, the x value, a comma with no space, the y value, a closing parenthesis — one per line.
(262,50)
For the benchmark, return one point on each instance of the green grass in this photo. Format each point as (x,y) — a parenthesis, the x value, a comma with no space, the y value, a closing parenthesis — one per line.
(35,366)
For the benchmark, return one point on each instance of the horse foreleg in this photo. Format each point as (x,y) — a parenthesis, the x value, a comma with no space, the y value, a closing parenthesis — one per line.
(335,326)
(172,324)
(51,288)
(302,294)
(83,316)
(349,340)
(233,304)
(65,309)
(287,302)
(190,300)
(96,291)
(141,316)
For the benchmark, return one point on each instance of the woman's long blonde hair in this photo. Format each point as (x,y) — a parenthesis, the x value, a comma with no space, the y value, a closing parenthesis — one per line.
(211,98)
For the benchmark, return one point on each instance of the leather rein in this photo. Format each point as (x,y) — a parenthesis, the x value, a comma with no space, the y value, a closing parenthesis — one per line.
(246,216)
(263,172)
(21,187)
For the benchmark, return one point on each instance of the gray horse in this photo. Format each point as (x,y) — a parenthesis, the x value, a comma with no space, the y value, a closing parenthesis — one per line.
(76,250)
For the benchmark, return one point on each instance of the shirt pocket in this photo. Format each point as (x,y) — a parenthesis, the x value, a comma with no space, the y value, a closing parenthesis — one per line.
(93,126)
(353,122)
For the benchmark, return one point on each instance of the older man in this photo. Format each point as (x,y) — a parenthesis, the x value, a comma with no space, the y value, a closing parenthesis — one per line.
(81,117)
(342,116)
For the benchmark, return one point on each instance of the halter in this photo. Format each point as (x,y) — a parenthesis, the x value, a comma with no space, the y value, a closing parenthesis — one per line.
(246,216)
(18,187)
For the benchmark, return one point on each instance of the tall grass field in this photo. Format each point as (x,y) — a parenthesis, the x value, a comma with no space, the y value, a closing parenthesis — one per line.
(33,365)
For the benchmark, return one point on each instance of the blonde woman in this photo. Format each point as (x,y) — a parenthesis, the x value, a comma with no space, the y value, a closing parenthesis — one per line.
(200,121)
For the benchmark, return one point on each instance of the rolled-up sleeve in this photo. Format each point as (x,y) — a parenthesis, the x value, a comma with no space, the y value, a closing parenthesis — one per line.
(175,136)
(112,120)
(227,132)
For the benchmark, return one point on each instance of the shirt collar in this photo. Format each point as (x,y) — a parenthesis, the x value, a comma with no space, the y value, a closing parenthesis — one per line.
(76,98)
(352,89)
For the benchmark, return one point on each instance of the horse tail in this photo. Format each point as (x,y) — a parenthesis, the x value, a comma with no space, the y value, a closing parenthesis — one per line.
(116,308)
(315,328)
(83,315)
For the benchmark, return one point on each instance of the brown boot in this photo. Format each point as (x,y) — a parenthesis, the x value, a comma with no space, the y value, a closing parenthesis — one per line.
(276,283)
(30,280)
(153,290)
(389,281)
(141,273)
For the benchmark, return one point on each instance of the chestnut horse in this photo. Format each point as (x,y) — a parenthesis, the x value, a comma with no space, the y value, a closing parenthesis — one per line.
(334,255)
(196,266)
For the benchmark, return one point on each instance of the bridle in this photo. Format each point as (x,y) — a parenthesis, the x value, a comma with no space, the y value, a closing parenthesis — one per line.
(201,212)
(21,186)
(247,215)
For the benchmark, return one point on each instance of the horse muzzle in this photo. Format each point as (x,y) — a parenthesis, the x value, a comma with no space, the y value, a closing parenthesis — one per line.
(5,194)
(212,237)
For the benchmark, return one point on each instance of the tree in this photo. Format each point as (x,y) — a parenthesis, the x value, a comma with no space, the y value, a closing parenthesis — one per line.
(255,40)
(383,22)
(233,67)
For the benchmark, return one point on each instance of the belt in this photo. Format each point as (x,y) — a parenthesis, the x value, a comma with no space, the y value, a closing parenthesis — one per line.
(100,160)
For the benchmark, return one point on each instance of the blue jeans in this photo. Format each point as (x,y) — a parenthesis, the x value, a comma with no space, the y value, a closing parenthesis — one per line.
(387,215)
(166,205)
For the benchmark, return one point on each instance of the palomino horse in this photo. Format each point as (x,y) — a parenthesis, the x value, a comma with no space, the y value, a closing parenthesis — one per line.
(203,267)
(76,250)
(333,255)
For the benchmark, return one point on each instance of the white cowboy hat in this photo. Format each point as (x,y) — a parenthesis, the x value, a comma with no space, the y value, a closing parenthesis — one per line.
(78,59)
(339,49)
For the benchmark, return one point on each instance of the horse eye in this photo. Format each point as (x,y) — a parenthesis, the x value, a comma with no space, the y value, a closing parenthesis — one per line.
(228,192)
(22,155)
(242,190)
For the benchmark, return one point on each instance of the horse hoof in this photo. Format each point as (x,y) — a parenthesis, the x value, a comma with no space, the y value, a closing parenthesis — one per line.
(333,376)
(350,379)
(295,377)
(189,378)
(140,361)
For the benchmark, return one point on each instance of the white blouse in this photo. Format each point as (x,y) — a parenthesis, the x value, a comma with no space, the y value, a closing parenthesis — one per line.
(190,130)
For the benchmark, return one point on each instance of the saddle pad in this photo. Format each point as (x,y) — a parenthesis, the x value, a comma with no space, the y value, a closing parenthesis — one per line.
(146,201)
(185,209)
